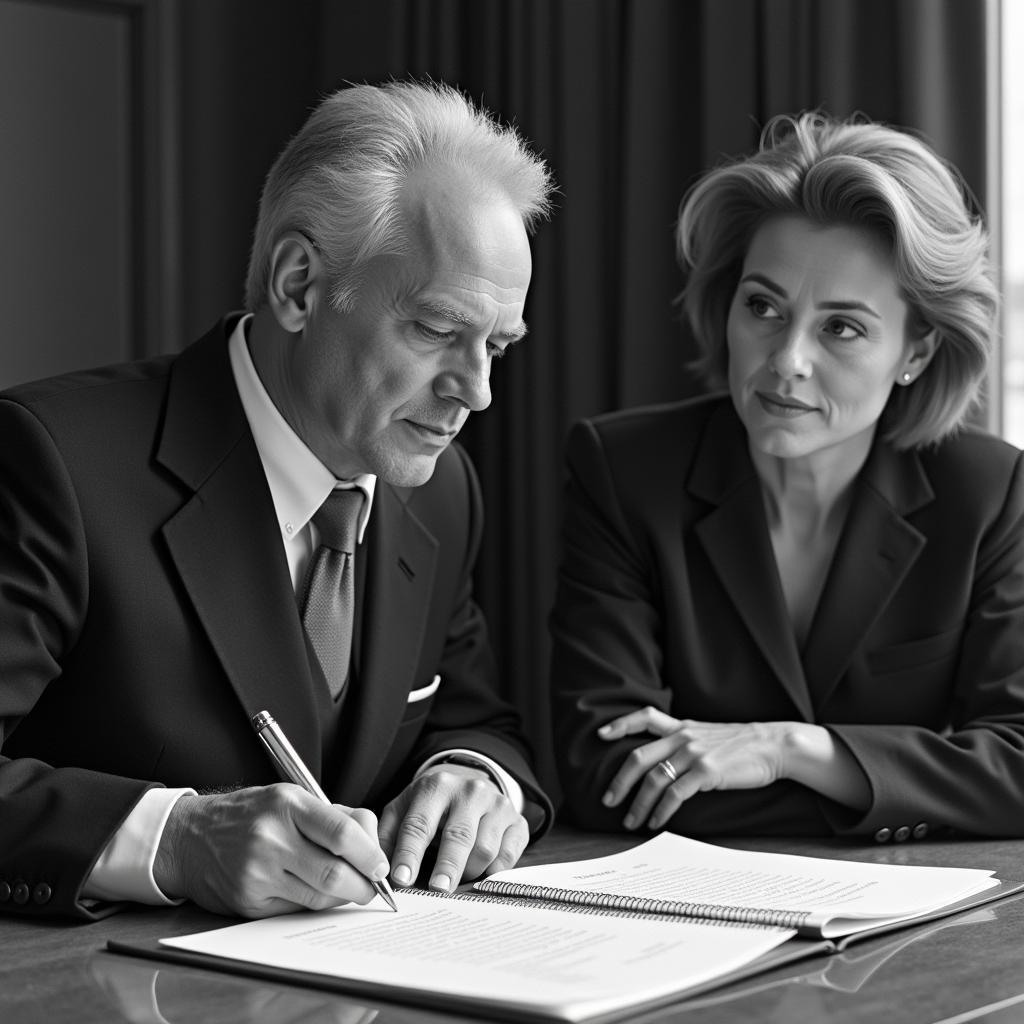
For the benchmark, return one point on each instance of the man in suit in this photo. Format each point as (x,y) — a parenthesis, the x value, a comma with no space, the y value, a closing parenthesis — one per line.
(160,523)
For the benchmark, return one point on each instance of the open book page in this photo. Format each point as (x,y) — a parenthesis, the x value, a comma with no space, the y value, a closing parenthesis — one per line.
(817,895)
(567,966)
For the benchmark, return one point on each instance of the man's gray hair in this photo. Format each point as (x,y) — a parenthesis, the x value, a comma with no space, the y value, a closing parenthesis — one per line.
(339,180)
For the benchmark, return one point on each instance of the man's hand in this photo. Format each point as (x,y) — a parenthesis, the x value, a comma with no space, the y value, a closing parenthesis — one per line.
(268,850)
(477,828)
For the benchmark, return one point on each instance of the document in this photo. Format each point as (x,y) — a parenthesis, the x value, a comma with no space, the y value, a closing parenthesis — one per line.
(819,897)
(494,957)
(590,940)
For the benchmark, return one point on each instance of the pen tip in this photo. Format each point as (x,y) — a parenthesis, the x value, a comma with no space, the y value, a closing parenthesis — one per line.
(385,893)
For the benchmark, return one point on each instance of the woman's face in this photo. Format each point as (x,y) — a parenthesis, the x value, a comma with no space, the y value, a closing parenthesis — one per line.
(817,336)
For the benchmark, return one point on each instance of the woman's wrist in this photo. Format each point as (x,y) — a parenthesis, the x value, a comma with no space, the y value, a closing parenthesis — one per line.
(803,750)
(812,755)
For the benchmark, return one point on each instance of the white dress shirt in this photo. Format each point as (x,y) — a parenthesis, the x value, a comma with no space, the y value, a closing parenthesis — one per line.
(299,482)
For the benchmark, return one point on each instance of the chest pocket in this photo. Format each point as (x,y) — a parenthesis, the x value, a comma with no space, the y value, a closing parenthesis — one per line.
(910,683)
(924,655)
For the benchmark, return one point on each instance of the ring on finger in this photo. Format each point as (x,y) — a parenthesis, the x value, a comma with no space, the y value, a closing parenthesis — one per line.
(668,769)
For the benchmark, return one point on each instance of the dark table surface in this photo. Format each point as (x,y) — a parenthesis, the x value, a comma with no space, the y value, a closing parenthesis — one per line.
(969,967)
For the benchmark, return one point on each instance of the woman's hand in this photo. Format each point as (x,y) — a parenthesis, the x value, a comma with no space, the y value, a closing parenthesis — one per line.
(701,756)
(689,757)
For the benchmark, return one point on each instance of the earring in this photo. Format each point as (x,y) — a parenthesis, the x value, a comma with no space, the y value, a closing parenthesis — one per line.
(906,378)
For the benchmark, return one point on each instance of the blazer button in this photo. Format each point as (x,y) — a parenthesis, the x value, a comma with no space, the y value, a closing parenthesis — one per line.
(920,830)
(902,834)
(41,893)
(20,893)
(5,892)
(883,835)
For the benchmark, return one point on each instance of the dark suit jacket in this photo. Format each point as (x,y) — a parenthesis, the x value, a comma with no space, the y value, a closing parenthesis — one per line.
(669,596)
(146,612)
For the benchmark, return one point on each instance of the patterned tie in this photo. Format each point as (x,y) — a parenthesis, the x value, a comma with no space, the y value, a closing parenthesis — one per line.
(330,589)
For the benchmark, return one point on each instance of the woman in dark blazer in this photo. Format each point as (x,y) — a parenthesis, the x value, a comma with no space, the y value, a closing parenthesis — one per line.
(798,607)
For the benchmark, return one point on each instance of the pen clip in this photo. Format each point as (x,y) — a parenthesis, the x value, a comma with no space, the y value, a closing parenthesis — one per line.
(290,766)
(260,719)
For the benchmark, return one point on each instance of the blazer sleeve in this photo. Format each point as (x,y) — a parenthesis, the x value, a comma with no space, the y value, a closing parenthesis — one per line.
(54,821)
(469,711)
(968,776)
(606,629)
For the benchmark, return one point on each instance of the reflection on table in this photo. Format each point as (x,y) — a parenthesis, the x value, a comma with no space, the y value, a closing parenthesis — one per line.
(60,972)
(145,993)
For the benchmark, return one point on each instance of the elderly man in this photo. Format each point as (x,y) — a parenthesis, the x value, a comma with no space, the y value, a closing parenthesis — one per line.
(170,564)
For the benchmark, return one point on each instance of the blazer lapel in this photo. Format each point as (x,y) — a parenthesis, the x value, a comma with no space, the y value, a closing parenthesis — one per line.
(735,537)
(226,545)
(875,552)
(399,566)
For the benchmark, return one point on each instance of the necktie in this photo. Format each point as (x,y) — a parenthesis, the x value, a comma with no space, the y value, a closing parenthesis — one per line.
(330,589)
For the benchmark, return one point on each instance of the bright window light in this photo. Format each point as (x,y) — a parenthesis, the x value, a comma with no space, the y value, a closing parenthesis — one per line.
(1011,219)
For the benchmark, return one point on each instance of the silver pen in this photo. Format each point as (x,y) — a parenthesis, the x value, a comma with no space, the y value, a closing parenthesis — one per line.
(291,768)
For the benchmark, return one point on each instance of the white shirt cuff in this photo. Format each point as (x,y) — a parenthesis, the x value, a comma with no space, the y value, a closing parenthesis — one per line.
(124,870)
(506,783)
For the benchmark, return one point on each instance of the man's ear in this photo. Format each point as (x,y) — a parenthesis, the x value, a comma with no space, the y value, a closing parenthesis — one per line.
(920,350)
(295,272)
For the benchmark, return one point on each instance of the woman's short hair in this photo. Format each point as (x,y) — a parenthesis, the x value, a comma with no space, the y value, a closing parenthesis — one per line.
(339,179)
(854,172)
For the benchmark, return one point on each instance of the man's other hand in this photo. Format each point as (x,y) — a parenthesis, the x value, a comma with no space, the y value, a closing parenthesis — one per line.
(477,829)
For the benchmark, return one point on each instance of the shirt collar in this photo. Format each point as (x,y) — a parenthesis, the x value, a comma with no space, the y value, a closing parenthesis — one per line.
(299,482)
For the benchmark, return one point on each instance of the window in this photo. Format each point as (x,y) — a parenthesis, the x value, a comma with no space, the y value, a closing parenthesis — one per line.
(1010,213)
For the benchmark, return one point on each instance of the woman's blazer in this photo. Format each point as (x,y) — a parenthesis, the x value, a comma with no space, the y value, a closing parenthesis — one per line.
(668,595)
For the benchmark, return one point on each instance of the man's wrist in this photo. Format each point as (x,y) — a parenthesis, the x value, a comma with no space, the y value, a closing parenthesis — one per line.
(468,761)
(167,867)
(124,869)
(507,783)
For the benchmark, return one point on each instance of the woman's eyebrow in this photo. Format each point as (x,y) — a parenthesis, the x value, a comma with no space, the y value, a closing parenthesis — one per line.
(844,304)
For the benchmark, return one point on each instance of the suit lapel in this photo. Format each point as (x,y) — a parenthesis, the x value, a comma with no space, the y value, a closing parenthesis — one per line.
(735,538)
(226,545)
(398,567)
(875,552)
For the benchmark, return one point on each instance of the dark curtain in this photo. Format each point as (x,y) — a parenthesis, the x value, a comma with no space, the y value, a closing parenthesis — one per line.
(629,101)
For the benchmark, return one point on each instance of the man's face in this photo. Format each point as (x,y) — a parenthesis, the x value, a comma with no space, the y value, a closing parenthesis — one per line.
(385,387)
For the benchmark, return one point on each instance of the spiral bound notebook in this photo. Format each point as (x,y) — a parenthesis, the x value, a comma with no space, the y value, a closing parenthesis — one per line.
(590,940)
(818,897)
